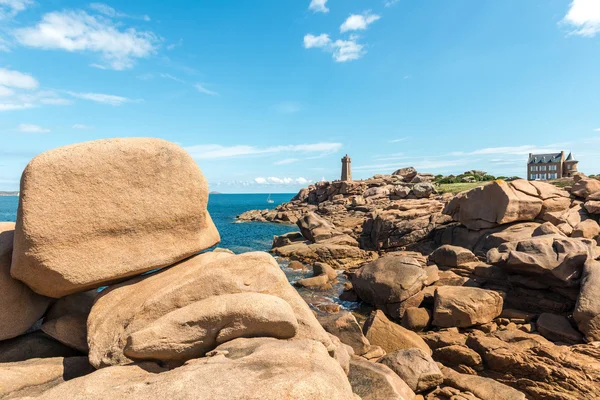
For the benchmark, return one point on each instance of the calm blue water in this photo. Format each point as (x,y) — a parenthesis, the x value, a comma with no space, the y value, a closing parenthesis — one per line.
(223,209)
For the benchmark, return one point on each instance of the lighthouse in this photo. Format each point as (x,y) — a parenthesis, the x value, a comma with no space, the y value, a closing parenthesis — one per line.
(346,169)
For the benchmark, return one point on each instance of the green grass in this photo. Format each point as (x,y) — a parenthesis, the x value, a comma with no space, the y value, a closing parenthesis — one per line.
(458,187)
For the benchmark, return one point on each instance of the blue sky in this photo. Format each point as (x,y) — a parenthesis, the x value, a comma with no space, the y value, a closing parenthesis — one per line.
(268,95)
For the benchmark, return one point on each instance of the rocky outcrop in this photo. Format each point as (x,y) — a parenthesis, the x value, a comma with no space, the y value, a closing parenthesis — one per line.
(33,377)
(389,279)
(390,336)
(119,230)
(465,306)
(33,345)
(506,202)
(452,256)
(415,367)
(554,259)
(20,306)
(587,309)
(191,331)
(345,326)
(483,388)
(123,309)
(373,381)
(268,369)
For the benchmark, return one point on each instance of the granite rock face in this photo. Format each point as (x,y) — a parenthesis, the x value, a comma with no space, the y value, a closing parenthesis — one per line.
(587,309)
(415,367)
(191,331)
(465,306)
(373,381)
(505,202)
(20,307)
(262,368)
(119,228)
(123,309)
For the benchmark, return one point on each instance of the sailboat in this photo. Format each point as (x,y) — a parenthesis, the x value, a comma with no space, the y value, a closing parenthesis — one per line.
(270,200)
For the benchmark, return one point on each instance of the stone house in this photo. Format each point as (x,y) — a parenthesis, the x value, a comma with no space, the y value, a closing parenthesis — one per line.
(544,167)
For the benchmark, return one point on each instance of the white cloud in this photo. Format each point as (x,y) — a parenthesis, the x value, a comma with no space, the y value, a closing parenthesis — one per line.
(389,3)
(342,50)
(320,41)
(597,130)
(29,128)
(111,12)
(215,151)
(75,31)
(10,8)
(55,101)
(359,22)
(14,106)
(399,140)
(17,79)
(204,90)
(82,126)
(347,50)
(273,180)
(584,17)
(6,92)
(286,161)
(101,98)
(318,6)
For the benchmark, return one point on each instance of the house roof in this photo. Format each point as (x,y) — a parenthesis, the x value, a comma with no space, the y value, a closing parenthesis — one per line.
(570,158)
(544,158)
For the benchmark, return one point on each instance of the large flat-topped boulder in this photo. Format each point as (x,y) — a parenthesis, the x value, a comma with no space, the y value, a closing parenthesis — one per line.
(134,305)
(95,212)
(20,307)
(501,202)
(465,306)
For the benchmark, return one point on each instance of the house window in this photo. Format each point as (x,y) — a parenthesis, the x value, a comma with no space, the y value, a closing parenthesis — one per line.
(534,168)
(552,168)
(543,176)
(551,176)
(569,166)
(543,168)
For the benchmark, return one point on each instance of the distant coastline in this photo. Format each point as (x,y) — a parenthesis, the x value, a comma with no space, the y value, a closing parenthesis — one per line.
(9,193)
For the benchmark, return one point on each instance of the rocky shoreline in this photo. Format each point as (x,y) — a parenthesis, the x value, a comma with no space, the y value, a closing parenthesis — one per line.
(109,290)
(497,285)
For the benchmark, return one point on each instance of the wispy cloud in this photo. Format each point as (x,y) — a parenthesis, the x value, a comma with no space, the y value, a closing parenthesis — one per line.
(107,10)
(342,50)
(516,150)
(15,106)
(318,6)
(583,17)
(272,180)
(202,89)
(215,151)
(399,140)
(29,128)
(286,161)
(101,98)
(389,3)
(82,126)
(77,31)
(359,22)
(16,79)
(597,130)
(171,77)
(10,8)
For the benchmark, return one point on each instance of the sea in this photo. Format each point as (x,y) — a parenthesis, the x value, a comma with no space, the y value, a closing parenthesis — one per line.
(241,237)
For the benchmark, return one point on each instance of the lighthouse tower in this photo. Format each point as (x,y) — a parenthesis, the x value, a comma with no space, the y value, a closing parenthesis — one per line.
(346,169)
